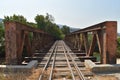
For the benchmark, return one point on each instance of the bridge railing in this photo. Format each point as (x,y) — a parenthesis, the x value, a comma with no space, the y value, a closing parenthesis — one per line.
(103,34)
(17,36)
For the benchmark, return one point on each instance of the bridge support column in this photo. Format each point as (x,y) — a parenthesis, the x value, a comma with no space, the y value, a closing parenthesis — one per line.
(14,41)
(109,43)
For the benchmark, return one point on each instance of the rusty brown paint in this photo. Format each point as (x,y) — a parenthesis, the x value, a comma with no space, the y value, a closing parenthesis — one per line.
(10,43)
(85,38)
(105,35)
(17,36)
(111,41)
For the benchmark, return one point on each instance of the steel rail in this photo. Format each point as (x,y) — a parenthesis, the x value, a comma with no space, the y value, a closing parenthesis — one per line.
(53,63)
(68,63)
(40,77)
(76,66)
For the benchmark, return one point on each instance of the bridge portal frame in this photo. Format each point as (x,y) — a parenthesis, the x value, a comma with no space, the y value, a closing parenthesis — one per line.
(17,36)
(104,34)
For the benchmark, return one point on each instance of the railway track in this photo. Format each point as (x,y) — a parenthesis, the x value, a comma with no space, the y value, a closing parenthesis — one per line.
(60,63)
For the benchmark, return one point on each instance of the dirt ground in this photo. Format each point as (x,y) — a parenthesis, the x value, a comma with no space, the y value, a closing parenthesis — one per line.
(36,73)
(105,77)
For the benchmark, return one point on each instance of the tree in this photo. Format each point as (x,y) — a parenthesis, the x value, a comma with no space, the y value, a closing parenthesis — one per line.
(118,41)
(40,20)
(54,30)
(49,18)
(118,47)
(46,23)
(65,29)
(18,18)
(32,24)
(2,40)
(6,18)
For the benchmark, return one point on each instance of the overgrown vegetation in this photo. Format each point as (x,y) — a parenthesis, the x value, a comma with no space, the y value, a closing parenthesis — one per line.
(118,47)
(45,23)
(20,75)
(18,18)
(96,51)
(2,45)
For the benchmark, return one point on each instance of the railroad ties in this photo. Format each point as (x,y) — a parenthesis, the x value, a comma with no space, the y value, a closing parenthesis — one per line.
(60,63)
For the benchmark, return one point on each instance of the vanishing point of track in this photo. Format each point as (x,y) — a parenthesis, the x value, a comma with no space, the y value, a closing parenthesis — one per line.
(62,64)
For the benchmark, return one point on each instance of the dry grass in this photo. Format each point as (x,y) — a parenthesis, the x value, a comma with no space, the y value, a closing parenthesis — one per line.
(11,75)
(2,77)
(106,78)
(46,74)
(69,76)
(15,76)
(34,75)
(20,75)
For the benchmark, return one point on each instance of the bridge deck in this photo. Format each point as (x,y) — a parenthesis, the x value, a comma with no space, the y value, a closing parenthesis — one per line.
(61,63)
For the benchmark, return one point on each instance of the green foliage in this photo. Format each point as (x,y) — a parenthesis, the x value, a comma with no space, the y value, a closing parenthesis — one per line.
(49,18)
(46,23)
(118,47)
(90,36)
(18,18)
(65,29)
(118,42)
(2,40)
(54,30)
(40,20)
(97,55)
(32,24)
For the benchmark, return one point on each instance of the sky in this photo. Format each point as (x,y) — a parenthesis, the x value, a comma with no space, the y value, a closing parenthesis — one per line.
(74,13)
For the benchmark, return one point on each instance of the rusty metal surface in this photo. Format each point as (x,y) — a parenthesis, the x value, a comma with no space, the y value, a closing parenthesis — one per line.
(10,43)
(111,41)
(103,34)
(17,36)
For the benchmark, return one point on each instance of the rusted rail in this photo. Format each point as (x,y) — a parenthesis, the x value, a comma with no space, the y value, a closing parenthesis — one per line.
(61,53)
(103,34)
(17,37)
(47,63)
(69,66)
(81,76)
(53,64)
